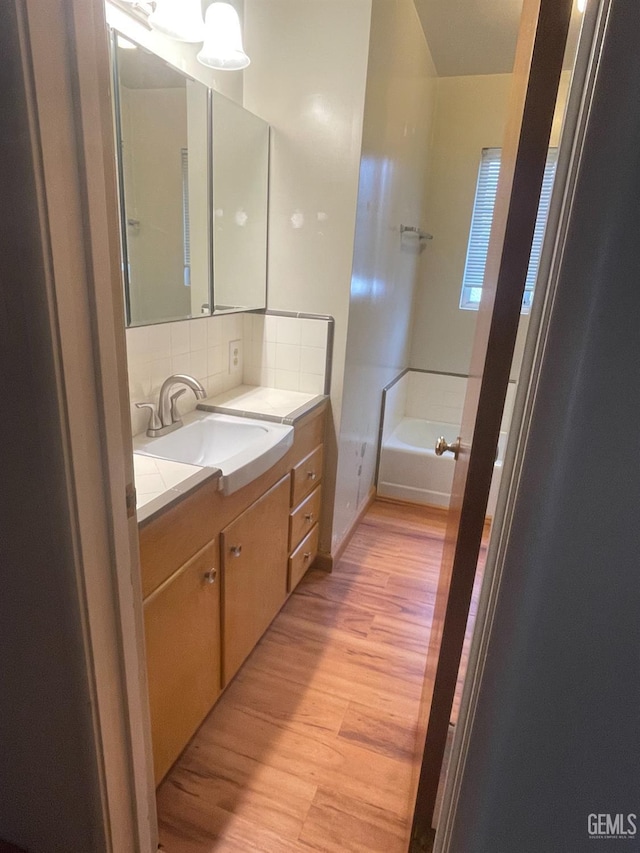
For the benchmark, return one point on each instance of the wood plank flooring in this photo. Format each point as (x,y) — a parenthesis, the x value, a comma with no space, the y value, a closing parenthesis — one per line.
(313,746)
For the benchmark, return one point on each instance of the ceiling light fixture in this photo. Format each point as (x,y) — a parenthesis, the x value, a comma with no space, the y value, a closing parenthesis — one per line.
(222,48)
(179,19)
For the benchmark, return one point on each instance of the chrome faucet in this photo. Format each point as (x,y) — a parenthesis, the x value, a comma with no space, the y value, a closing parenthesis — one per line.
(165,417)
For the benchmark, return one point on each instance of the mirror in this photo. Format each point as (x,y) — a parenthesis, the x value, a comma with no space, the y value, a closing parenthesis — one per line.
(193,236)
(240,194)
(162,119)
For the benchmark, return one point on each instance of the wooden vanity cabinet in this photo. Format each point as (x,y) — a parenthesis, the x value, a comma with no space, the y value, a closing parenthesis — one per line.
(216,569)
(254,564)
(182,634)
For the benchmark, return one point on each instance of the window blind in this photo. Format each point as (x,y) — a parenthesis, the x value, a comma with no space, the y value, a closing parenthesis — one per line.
(186,224)
(481,227)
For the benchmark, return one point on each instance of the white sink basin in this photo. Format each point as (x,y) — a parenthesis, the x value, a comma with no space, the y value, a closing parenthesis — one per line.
(242,448)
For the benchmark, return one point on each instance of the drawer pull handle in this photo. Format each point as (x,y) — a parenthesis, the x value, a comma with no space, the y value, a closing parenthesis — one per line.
(307,556)
(311,475)
(211,575)
(309,517)
(236,550)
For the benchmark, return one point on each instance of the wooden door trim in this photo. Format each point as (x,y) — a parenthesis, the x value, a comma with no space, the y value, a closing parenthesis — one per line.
(65,46)
(538,66)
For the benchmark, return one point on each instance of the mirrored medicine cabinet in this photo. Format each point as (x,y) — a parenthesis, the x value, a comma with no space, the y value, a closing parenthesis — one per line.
(193,181)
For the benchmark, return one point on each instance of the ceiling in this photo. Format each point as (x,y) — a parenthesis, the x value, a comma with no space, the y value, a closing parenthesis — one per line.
(474,36)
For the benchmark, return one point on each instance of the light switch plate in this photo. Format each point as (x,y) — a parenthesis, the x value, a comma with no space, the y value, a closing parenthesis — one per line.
(235,356)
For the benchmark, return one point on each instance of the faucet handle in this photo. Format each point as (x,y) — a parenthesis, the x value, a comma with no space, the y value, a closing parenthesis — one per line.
(154,420)
(175,414)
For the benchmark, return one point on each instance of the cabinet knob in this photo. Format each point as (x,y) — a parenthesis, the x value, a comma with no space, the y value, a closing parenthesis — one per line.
(236,550)
(211,575)
(309,517)
(311,475)
(307,556)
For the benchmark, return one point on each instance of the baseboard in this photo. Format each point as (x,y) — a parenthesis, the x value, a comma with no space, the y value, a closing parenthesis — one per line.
(326,562)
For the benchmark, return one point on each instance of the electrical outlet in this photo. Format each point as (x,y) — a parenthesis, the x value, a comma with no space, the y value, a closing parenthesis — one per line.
(235,356)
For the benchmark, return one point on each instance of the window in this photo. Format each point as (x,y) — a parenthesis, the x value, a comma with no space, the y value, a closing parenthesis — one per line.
(481,228)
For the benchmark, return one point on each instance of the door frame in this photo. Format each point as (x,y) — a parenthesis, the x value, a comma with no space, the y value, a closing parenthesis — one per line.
(540,51)
(575,124)
(64,46)
(66,40)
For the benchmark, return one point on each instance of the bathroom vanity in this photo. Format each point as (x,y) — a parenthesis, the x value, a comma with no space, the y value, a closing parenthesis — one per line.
(216,569)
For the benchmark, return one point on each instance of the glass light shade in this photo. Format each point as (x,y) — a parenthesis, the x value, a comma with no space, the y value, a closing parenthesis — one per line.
(222,48)
(179,19)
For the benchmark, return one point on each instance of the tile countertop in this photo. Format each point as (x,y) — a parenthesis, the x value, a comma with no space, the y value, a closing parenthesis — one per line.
(160,482)
(266,403)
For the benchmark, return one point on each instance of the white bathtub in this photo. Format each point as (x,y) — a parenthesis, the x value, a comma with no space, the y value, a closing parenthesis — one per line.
(411,471)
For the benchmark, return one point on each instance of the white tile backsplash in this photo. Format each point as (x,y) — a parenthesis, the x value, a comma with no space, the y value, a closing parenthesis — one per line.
(313,333)
(269,325)
(199,347)
(287,380)
(312,360)
(311,383)
(288,331)
(180,337)
(288,353)
(288,357)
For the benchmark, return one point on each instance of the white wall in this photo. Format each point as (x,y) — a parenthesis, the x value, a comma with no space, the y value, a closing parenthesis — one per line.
(400,97)
(470,115)
(307,79)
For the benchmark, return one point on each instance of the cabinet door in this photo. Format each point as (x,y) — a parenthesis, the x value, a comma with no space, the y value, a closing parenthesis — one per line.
(254,549)
(182,631)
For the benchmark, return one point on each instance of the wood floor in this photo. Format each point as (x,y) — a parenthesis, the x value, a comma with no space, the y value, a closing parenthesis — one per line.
(313,746)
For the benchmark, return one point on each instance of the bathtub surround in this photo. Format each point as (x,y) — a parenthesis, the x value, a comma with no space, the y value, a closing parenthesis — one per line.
(202,347)
(419,407)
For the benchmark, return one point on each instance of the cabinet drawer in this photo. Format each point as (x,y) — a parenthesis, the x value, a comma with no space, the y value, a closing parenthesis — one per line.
(182,633)
(306,475)
(303,518)
(303,557)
